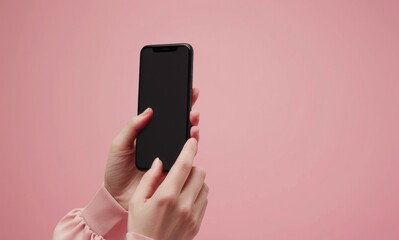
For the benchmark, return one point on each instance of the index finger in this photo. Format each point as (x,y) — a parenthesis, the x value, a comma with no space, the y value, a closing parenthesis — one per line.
(180,171)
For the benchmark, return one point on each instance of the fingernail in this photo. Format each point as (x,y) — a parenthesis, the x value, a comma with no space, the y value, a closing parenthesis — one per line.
(155,163)
(145,112)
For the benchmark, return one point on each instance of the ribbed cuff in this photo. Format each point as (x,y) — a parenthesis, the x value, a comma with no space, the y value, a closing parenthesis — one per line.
(103,212)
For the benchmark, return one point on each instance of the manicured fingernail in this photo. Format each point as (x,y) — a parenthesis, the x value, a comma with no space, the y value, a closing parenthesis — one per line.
(156,162)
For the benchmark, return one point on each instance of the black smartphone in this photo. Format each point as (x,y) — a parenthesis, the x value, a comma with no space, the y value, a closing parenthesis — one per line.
(165,85)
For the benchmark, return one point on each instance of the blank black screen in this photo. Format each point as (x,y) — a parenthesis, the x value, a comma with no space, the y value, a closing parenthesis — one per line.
(165,86)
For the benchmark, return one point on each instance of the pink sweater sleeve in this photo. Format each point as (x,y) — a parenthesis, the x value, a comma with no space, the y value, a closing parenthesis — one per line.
(102,218)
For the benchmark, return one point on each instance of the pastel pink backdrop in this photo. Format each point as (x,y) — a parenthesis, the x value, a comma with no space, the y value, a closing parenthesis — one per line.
(299,110)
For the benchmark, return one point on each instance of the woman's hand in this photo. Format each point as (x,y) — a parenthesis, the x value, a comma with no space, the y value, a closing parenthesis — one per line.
(172,208)
(121,174)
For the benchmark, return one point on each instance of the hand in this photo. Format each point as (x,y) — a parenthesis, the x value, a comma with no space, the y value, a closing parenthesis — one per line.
(172,208)
(121,175)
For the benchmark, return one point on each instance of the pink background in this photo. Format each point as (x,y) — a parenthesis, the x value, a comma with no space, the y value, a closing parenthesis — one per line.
(299,110)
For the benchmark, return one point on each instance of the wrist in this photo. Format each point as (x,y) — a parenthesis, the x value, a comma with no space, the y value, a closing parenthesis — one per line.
(118,198)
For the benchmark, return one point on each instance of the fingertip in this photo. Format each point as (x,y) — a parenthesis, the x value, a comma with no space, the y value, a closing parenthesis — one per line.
(194,132)
(191,145)
(150,181)
(142,119)
(193,141)
(125,138)
(146,112)
(155,163)
(194,117)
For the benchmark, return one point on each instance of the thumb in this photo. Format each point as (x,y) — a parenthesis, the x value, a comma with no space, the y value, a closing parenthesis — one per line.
(125,138)
(150,181)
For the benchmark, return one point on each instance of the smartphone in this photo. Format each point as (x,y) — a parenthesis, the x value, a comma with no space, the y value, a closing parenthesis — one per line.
(165,85)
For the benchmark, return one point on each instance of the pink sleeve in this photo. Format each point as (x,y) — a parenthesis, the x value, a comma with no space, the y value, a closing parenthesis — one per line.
(103,218)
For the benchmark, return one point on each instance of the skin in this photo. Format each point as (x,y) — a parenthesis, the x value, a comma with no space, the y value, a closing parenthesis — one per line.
(175,205)
(122,180)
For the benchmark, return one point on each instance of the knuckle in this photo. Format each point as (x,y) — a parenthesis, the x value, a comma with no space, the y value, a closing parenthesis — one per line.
(167,200)
(185,167)
(184,212)
(133,121)
(192,223)
(201,173)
